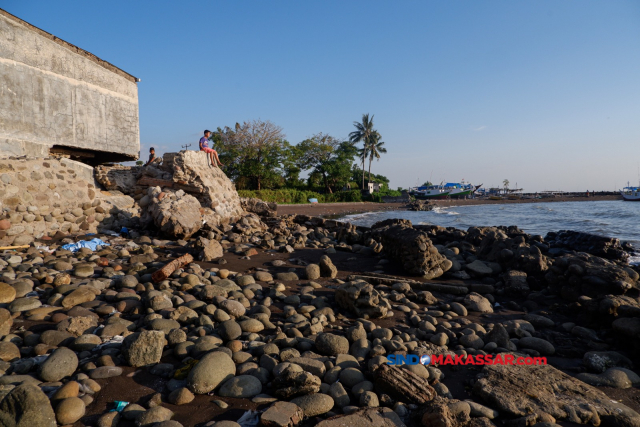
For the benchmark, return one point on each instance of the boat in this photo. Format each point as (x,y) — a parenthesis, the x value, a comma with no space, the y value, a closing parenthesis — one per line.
(429,192)
(631,194)
(461,189)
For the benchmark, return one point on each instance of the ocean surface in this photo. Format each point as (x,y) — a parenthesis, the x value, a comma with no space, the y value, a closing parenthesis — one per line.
(607,218)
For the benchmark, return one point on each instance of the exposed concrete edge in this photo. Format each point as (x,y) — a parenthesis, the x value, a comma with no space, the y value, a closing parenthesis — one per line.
(71,47)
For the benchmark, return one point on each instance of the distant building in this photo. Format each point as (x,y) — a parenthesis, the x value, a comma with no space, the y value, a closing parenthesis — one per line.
(374,187)
(58,98)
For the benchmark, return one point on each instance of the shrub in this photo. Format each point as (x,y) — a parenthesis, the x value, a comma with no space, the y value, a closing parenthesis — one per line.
(292,196)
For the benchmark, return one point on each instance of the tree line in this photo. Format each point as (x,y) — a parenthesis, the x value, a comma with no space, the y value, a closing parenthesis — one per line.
(257,156)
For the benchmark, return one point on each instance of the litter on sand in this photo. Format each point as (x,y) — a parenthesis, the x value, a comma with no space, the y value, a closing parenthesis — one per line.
(120,405)
(249,419)
(91,244)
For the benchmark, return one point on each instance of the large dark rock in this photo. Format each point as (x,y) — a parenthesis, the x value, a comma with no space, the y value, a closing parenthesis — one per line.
(26,406)
(602,246)
(410,247)
(525,390)
(259,207)
(362,299)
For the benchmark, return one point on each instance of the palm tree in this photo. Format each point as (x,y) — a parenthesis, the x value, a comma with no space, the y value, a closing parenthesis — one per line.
(506,185)
(363,134)
(376,147)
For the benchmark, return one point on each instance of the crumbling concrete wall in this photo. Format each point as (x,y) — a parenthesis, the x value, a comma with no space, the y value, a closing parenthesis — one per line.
(55,94)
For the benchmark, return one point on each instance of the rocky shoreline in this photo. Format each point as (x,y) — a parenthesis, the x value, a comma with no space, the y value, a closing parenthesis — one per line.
(193,318)
(295,318)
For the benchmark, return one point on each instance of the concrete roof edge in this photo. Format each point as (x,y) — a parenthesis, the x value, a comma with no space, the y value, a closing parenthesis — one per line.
(72,47)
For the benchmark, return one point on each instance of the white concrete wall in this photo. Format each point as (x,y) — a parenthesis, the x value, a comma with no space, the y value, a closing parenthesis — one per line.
(52,93)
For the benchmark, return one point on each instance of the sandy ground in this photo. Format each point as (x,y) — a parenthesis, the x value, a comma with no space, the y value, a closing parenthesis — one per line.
(340,209)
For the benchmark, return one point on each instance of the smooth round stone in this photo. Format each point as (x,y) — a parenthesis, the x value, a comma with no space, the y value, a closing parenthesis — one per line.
(332,345)
(24,304)
(314,404)
(105,372)
(61,363)
(83,271)
(234,308)
(251,325)
(157,414)
(7,293)
(70,410)
(241,386)
(211,371)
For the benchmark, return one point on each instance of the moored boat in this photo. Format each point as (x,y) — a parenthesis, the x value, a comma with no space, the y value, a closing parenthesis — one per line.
(631,194)
(429,192)
(462,189)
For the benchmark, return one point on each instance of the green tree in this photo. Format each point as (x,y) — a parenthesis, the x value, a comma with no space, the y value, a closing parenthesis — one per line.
(376,148)
(253,153)
(329,159)
(363,133)
(505,184)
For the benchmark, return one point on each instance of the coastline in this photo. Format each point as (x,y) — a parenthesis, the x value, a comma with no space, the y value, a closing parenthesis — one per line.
(341,209)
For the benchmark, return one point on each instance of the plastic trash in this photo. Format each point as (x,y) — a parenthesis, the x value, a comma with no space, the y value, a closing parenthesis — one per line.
(120,405)
(313,200)
(249,419)
(124,231)
(91,244)
(183,372)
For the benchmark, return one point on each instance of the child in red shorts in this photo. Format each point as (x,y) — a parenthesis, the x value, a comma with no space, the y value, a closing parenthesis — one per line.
(204,146)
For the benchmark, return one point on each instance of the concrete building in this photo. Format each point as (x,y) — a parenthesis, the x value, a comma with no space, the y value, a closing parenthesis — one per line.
(58,98)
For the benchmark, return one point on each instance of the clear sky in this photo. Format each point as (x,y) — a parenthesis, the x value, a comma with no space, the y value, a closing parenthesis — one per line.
(543,93)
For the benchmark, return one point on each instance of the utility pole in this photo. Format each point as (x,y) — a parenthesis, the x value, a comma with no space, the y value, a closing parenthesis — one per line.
(186,146)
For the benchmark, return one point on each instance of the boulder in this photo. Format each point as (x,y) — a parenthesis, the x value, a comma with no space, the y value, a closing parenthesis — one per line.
(362,299)
(282,414)
(259,207)
(176,214)
(292,382)
(368,417)
(210,249)
(6,321)
(331,344)
(604,247)
(314,404)
(515,283)
(143,348)
(521,390)
(78,296)
(411,247)
(242,386)
(27,406)
(193,174)
(476,302)
(327,269)
(70,410)
(212,370)
(61,363)
(7,293)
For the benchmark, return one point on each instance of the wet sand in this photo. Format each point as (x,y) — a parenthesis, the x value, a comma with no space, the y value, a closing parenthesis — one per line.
(341,209)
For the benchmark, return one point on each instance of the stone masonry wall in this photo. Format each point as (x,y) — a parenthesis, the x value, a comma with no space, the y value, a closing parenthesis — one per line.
(40,197)
(54,93)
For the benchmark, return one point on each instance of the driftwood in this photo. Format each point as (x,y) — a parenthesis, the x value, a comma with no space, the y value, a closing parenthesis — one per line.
(3,248)
(383,279)
(403,385)
(166,271)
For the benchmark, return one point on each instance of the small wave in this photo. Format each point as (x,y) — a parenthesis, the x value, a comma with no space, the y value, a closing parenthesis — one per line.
(452,213)
(634,260)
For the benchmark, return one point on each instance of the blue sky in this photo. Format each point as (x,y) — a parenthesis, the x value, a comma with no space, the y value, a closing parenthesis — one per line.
(543,93)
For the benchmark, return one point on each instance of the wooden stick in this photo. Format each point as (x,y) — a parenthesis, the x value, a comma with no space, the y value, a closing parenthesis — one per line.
(3,248)
(166,271)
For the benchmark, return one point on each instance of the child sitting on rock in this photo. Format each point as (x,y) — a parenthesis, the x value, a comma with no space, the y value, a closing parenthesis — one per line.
(204,146)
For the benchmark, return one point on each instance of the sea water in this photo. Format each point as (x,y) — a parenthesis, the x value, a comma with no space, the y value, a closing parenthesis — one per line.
(606,218)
